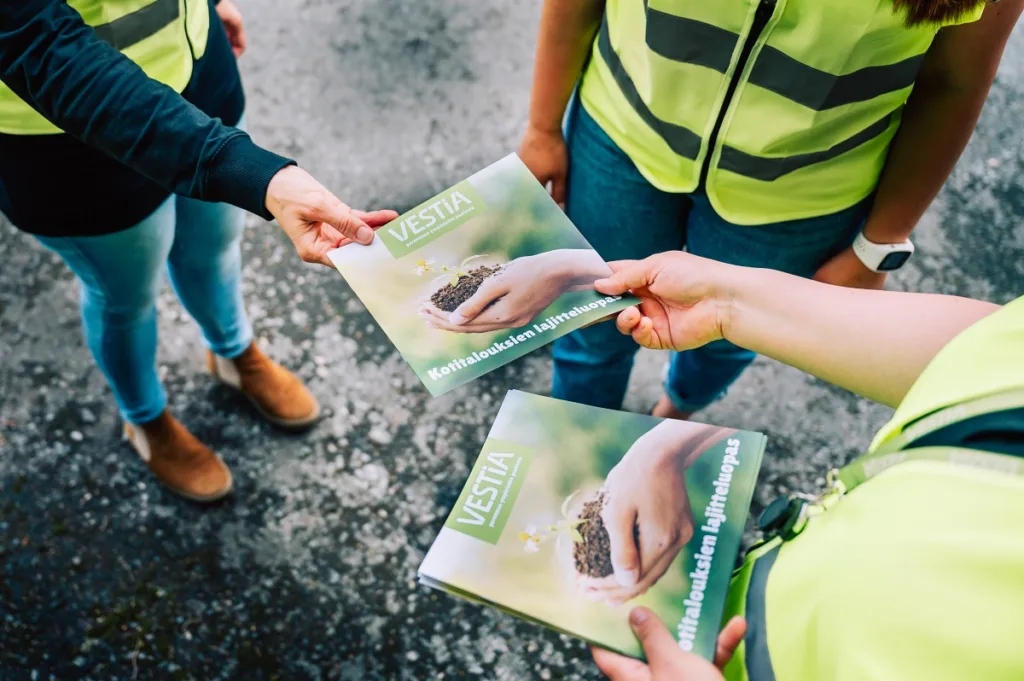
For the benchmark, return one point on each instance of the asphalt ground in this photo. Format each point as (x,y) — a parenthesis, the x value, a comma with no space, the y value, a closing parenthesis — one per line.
(308,572)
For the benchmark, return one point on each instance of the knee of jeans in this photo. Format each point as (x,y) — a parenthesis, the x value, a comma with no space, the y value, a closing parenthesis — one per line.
(221,256)
(595,346)
(214,240)
(723,349)
(121,307)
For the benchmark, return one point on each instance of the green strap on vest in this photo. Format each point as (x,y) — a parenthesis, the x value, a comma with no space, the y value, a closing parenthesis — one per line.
(787,515)
(892,452)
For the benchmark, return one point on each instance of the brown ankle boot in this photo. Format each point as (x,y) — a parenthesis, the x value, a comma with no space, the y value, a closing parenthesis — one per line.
(665,409)
(275,392)
(180,461)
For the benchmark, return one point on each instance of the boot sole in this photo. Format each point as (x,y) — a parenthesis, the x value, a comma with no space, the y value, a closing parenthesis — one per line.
(202,499)
(196,498)
(292,425)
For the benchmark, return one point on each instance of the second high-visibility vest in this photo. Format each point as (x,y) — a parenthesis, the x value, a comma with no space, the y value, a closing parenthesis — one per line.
(164,37)
(914,573)
(782,109)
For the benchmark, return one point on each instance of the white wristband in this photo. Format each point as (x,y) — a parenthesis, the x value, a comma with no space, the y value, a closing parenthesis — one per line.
(882,257)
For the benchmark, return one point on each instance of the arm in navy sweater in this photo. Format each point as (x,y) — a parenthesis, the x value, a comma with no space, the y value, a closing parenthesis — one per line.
(54,61)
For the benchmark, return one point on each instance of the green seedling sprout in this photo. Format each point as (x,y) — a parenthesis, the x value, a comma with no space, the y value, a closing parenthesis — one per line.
(452,272)
(533,536)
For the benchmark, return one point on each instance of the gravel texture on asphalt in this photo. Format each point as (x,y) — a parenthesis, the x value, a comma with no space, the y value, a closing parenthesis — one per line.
(308,571)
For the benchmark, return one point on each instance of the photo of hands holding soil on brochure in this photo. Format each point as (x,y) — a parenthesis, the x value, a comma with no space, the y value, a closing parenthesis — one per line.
(574,514)
(478,276)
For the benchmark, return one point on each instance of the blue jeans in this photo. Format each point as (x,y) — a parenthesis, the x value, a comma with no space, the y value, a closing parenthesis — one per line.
(624,217)
(121,274)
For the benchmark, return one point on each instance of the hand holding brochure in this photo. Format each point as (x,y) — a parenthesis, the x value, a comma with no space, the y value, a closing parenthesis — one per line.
(478,276)
(572,515)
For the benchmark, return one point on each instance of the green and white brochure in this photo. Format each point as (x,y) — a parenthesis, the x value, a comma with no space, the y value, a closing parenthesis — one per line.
(572,515)
(477,276)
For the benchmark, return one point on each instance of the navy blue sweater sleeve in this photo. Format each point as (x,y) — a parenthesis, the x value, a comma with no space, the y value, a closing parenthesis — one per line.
(54,61)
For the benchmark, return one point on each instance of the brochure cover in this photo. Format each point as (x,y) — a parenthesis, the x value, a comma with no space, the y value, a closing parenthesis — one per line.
(573,515)
(477,276)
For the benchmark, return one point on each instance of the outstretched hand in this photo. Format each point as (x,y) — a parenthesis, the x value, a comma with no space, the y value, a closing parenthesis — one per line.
(665,661)
(683,299)
(314,219)
(647,513)
(522,290)
(509,299)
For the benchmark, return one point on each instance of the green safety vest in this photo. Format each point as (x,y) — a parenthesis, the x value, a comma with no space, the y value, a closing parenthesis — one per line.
(164,37)
(787,106)
(913,567)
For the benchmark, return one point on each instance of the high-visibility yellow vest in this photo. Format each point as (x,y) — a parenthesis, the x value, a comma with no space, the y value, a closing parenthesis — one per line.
(788,107)
(164,37)
(915,573)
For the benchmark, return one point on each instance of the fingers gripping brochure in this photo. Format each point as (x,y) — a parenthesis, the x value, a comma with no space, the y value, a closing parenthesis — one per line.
(477,276)
(572,515)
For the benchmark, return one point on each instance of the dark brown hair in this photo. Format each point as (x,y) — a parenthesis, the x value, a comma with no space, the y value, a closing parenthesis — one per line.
(935,11)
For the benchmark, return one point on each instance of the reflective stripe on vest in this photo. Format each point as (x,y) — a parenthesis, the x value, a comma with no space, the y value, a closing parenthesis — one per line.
(804,119)
(893,452)
(164,37)
(139,25)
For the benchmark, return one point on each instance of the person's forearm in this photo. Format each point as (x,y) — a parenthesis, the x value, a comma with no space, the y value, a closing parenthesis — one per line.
(711,436)
(940,115)
(576,268)
(567,29)
(937,124)
(56,63)
(873,343)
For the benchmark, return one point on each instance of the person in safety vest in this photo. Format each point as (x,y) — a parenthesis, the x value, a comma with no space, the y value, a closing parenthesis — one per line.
(122,150)
(806,136)
(910,565)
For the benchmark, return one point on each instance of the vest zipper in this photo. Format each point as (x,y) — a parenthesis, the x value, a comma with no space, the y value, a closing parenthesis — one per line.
(188,38)
(763,13)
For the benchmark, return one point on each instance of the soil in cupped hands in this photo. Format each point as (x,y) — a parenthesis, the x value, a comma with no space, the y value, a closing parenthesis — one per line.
(593,556)
(449,297)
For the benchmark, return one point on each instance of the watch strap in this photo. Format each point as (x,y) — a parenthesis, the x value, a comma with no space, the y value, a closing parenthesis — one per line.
(874,255)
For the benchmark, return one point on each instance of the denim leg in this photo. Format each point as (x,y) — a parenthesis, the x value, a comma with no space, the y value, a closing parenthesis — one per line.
(205,265)
(698,377)
(120,275)
(623,217)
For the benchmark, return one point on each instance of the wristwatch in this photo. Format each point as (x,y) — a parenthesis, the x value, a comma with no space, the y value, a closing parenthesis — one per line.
(882,257)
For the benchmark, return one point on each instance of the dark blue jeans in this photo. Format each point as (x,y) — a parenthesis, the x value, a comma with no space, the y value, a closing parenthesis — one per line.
(623,216)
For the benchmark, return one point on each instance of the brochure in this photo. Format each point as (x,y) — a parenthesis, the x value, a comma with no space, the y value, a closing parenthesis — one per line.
(573,515)
(477,276)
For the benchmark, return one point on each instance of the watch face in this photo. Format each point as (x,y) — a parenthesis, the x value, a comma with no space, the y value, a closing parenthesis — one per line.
(893,261)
